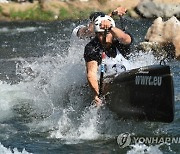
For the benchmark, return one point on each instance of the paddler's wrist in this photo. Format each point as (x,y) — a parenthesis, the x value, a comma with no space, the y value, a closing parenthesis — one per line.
(111,28)
(96,95)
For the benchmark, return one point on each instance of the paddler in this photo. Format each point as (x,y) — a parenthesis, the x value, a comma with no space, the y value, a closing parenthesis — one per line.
(87,31)
(116,39)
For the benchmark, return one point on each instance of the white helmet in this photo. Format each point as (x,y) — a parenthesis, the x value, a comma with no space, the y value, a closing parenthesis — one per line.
(97,23)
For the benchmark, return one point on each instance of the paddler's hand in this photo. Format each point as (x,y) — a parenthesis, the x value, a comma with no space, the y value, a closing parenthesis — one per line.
(98,101)
(105,24)
(120,11)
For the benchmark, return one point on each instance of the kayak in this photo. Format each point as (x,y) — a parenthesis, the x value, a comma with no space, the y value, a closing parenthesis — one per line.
(145,93)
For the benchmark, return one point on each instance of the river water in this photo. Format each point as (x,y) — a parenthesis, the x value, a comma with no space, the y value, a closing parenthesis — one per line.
(45,104)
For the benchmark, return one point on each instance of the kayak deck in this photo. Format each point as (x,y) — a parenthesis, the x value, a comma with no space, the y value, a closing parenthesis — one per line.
(145,93)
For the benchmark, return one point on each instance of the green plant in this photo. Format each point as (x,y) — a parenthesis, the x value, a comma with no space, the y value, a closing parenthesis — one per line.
(102,1)
(73,13)
(64,13)
(1,10)
(82,14)
(32,14)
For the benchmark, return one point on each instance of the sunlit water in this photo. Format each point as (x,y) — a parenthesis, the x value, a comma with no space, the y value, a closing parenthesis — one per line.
(45,103)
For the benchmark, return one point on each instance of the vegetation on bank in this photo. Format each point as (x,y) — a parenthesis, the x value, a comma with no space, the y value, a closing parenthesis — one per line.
(31,14)
(74,14)
(41,14)
(49,10)
(54,10)
(0,10)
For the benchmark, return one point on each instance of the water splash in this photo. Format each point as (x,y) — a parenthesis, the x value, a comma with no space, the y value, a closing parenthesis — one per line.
(52,96)
(75,130)
(19,30)
(4,150)
(144,149)
(140,59)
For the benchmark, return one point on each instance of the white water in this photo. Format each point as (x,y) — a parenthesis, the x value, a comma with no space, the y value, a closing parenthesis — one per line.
(4,150)
(54,96)
(19,30)
(144,149)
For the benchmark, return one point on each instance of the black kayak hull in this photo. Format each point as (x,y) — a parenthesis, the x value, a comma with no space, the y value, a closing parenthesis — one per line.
(146,93)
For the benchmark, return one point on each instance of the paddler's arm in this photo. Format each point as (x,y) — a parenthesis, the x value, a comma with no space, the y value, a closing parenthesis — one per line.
(92,68)
(120,11)
(86,31)
(121,35)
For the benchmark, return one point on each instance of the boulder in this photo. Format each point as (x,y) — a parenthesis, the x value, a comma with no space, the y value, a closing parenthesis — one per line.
(155,8)
(163,35)
(161,51)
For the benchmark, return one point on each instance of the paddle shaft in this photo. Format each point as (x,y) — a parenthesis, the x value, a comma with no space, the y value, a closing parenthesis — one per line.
(102,74)
(103,56)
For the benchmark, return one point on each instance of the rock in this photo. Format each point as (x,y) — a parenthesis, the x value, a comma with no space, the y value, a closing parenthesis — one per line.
(153,8)
(164,35)
(154,33)
(4,1)
(132,13)
(161,51)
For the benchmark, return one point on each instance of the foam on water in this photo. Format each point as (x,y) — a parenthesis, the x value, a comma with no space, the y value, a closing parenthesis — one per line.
(87,128)
(140,59)
(144,149)
(4,150)
(19,30)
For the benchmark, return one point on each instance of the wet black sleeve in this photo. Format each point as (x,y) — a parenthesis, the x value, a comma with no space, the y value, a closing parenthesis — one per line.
(92,53)
(125,49)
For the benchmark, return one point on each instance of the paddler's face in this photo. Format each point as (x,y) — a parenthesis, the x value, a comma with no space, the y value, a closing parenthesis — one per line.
(109,38)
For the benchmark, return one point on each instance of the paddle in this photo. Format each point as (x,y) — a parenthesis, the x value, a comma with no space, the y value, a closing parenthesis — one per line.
(103,56)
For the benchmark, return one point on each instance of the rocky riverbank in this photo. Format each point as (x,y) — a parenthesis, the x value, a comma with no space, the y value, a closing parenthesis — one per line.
(163,38)
(160,36)
(59,10)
